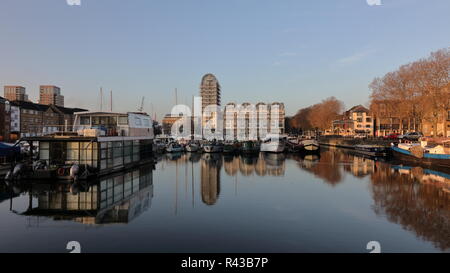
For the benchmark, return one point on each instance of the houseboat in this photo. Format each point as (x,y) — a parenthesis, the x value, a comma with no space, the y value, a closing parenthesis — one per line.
(422,153)
(99,143)
(310,145)
(371,150)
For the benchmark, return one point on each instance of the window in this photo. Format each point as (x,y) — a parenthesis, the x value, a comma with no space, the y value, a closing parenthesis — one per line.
(123,120)
(368,120)
(146,123)
(359,120)
(138,122)
(85,120)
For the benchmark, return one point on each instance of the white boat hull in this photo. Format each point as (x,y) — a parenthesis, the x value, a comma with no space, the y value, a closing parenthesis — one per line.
(273,147)
(192,148)
(310,145)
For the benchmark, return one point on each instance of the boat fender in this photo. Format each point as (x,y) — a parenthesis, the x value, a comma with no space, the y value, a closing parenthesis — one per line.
(74,170)
(17,170)
(61,171)
(8,176)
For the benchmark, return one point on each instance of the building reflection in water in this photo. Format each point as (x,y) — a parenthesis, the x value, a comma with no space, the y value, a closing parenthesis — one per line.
(418,199)
(118,198)
(210,166)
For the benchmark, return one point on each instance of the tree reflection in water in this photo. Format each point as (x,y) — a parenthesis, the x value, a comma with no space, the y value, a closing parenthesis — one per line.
(416,199)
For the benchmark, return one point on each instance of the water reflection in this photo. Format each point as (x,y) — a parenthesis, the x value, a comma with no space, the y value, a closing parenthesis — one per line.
(118,198)
(417,199)
(210,165)
(414,198)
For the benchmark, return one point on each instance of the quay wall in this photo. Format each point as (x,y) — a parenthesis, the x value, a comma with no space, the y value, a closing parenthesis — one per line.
(346,142)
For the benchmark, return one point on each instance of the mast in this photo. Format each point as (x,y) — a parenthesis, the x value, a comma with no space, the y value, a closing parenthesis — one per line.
(101,99)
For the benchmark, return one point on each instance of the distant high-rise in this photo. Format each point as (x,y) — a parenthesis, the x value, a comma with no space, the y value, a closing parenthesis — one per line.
(15,93)
(50,94)
(210,93)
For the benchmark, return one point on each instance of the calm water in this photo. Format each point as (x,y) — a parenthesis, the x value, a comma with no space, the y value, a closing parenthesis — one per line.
(337,202)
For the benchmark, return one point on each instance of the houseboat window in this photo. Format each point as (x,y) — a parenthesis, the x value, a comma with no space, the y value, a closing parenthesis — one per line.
(85,120)
(88,153)
(73,151)
(95,120)
(138,122)
(123,120)
(58,153)
(146,123)
(118,153)
(44,151)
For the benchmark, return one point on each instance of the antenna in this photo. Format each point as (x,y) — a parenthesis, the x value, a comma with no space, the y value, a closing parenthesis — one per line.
(111,100)
(101,99)
(141,109)
(176,97)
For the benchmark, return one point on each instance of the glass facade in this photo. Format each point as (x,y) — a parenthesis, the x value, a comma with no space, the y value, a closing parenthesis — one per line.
(100,155)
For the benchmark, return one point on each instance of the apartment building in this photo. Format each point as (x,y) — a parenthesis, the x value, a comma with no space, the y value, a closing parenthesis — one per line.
(5,110)
(50,94)
(210,92)
(356,121)
(35,119)
(15,92)
(253,122)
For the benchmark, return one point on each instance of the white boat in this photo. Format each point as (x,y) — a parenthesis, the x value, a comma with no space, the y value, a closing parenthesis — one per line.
(174,147)
(158,146)
(213,148)
(310,145)
(273,144)
(193,147)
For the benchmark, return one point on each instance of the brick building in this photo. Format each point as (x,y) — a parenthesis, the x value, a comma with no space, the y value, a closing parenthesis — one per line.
(39,119)
(50,94)
(15,92)
(4,120)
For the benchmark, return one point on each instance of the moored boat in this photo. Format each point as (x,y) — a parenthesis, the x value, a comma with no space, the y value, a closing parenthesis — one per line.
(273,144)
(231,147)
(193,147)
(174,147)
(213,147)
(99,143)
(250,147)
(310,146)
(371,150)
(422,153)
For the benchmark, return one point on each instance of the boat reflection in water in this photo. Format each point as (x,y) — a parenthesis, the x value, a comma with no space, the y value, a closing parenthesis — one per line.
(244,198)
(119,198)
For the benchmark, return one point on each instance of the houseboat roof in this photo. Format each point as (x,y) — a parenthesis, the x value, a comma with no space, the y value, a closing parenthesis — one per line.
(111,113)
(44,107)
(58,138)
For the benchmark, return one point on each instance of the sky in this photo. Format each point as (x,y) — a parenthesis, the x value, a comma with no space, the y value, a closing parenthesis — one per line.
(292,51)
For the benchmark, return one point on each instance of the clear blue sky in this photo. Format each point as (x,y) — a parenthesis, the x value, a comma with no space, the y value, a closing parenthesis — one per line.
(293,51)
